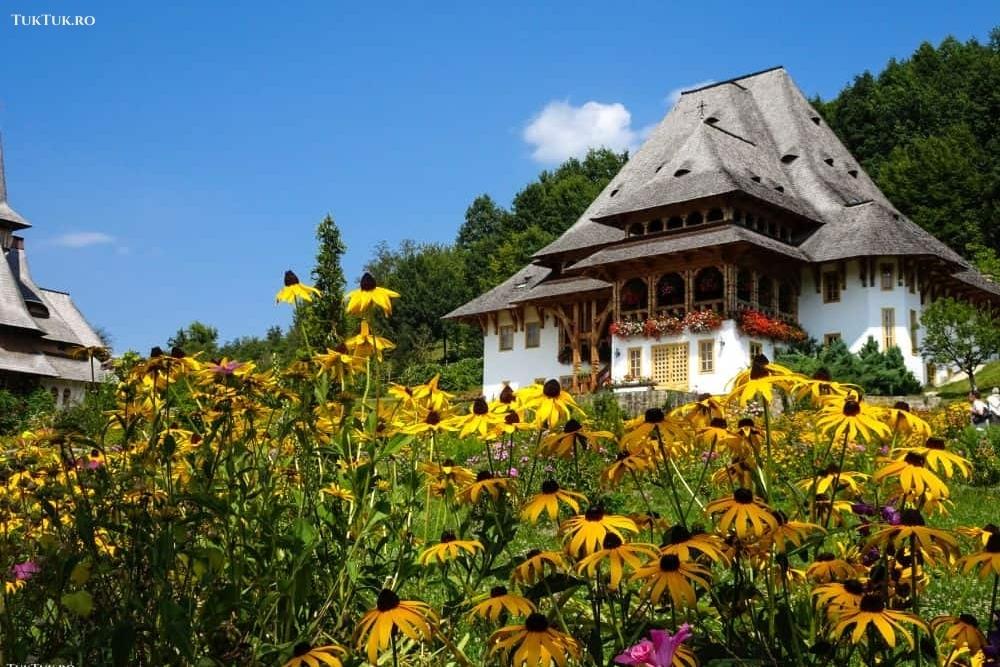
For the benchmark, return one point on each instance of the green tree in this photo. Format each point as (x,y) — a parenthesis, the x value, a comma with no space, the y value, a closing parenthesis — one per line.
(196,337)
(323,318)
(960,334)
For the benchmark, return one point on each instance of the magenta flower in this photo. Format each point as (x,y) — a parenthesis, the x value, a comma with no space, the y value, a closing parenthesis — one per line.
(26,570)
(656,653)
(225,367)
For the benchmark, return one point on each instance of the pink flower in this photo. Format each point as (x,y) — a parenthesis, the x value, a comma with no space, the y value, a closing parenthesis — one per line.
(25,570)
(642,655)
(512,472)
(656,653)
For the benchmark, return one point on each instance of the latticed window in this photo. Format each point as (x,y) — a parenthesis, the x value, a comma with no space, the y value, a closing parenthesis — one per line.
(635,362)
(706,356)
(532,334)
(756,349)
(914,329)
(888,328)
(831,287)
(506,337)
(670,365)
(831,338)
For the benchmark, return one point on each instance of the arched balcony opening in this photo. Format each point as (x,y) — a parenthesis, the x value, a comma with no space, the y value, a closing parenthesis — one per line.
(786,300)
(636,229)
(634,298)
(671,293)
(765,294)
(744,287)
(709,289)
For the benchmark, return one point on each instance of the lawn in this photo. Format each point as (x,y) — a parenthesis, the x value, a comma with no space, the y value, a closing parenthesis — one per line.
(987,378)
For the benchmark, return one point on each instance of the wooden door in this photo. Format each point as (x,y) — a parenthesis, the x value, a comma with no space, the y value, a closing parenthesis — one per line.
(670,366)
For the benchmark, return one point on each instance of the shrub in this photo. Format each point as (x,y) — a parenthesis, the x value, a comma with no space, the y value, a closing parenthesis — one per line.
(18,411)
(463,375)
(878,373)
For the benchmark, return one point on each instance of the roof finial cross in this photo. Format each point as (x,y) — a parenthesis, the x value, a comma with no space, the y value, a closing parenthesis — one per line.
(701,109)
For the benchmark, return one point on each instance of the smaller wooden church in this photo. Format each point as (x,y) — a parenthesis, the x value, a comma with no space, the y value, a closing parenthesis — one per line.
(740,225)
(45,341)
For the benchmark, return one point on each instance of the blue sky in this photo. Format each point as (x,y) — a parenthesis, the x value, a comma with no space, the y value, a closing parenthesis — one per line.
(175,159)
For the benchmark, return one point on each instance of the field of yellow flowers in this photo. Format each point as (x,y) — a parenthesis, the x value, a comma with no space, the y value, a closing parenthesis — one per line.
(308,516)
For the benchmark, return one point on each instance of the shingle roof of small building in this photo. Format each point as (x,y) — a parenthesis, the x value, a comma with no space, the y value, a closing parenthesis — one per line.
(55,328)
(13,312)
(561,286)
(500,297)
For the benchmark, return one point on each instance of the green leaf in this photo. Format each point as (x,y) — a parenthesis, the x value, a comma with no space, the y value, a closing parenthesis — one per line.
(80,603)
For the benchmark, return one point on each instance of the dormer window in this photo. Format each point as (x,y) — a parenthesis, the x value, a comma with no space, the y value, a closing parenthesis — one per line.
(789,158)
(694,218)
(636,229)
(654,226)
(675,222)
(715,214)
(681,172)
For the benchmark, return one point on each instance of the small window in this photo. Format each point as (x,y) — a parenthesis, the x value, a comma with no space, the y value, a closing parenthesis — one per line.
(654,226)
(695,219)
(779,188)
(636,229)
(55,395)
(831,338)
(887,273)
(888,329)
(506,337)
(532,334)
(711,120)
(755,178)
(635,362)
(789,158)
(853,173)
(831,287)
(682,172)
(829,161)
(715,215)
(814,119)
(914,331)
(675,222)
(756,349)
(615,191)
(66,395)
(706,356)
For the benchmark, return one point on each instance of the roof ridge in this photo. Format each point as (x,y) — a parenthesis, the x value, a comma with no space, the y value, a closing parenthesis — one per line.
(733,80)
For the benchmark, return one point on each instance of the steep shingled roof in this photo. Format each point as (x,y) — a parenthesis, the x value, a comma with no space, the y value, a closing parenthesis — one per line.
(758,135)
(500,297)
(54,327)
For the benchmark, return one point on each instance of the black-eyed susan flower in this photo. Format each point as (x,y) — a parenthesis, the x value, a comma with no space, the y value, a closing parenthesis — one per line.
(378,626)
(485,482)
(828,567)
(653,426)
(338,363)
(847,416)
(701,412)
(901,420)
(448,472)
(840,597)
(369,294)
(872,612)
(432,421)
(304,655)
(430,396)
(939,459)
(548,501)
(532,568)
(787,532)
(743,513)
(501,600)
(618,554)
(295,291)
(672,575)
(479,420)
(626,463)
(760,381)
(366,344)
(914,477)
(960,631)
(690,545)
(449,548)
(717,434)
(551,405)
(584,533)
(934,543)
(534,644)
(986,561)
(832,474)
(340,493)
(573,436)
(821,386)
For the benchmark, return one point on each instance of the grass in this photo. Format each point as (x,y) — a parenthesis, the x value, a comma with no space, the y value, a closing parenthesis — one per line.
(989,376)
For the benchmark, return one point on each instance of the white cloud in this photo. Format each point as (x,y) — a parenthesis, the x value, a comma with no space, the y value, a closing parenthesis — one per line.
(675,94)
(83,239)
(561,130)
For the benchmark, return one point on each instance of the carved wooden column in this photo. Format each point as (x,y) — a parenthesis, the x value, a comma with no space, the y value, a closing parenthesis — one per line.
(688,275)
(754,290)
(575,344)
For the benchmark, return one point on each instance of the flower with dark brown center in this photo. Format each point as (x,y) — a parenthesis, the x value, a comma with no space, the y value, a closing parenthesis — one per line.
(872,603)
(746,422)
(552,388)
(743,496)
(915,459)
(993,544)
(595,513)
(822,375)
(448,463)
(901,405)
(611,541)
(654,416)
(156,352)
(498,591)
(536,623)
(621,456)
(433,418)
(176,352)
(969,619)
(368,283)
(572,426)
(387,600)
(448,536)
(825,557)
(550,486)
(851,408)
(511,418)
(291,279)
(483,475)
(854,587)
(301,649)
(718,422)
(480,407)
(934,443)
(506,395)
(759,369)
(911,517)
(670,563)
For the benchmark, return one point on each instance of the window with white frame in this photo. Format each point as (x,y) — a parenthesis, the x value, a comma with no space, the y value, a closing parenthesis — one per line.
(532,334)
(888,328)
(635,362)
(706,356)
